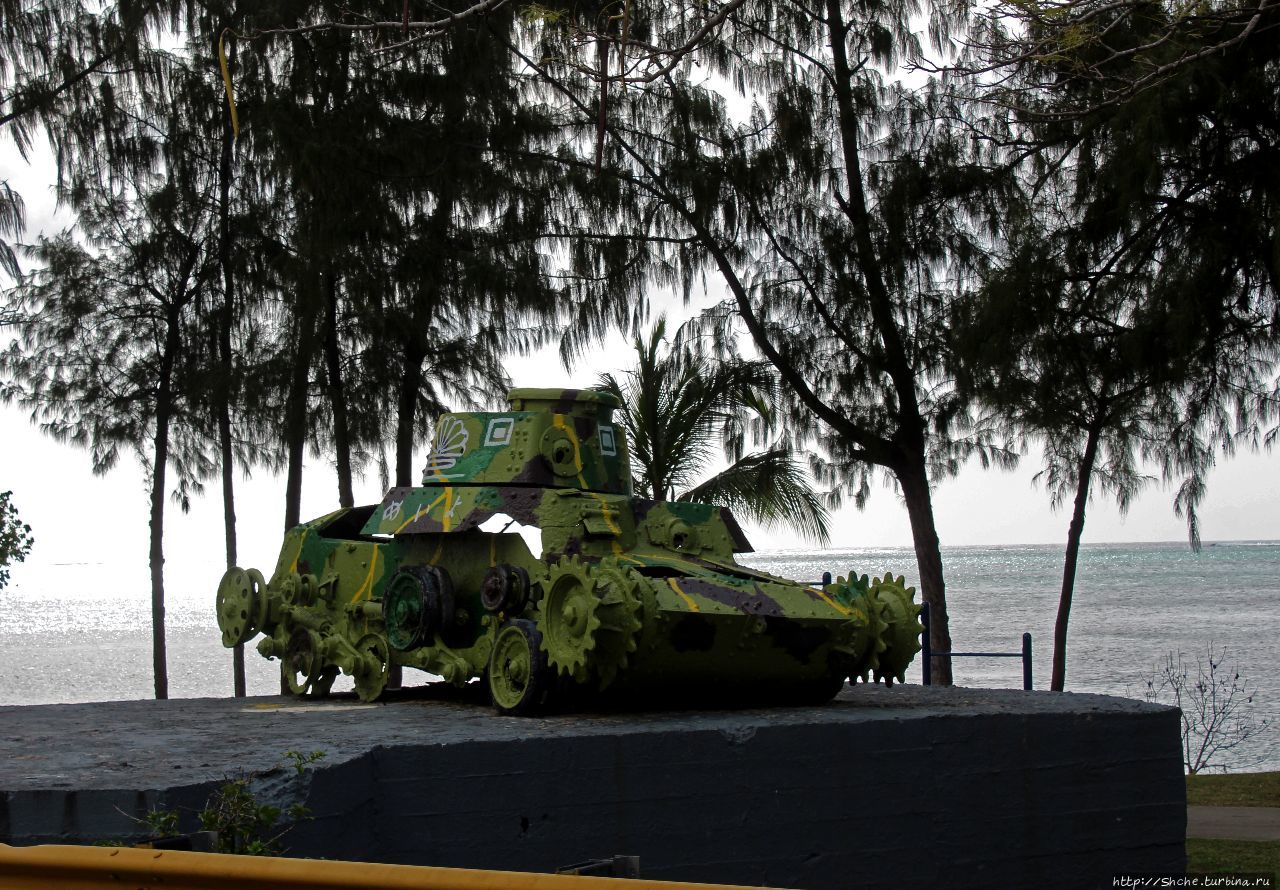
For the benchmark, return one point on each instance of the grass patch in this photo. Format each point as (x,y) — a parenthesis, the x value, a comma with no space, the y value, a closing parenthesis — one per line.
(1234,790)
(1212,856)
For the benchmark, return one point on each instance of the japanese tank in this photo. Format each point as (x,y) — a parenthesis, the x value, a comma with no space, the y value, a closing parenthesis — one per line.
(525,560)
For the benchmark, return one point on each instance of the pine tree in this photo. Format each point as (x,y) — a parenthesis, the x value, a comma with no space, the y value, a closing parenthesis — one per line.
(843,212)
(109,341)
(1133,318)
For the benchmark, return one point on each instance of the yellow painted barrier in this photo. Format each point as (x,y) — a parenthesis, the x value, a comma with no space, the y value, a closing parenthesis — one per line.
(52,867)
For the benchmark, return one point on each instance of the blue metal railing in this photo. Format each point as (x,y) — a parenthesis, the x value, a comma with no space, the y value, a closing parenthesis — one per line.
(927,655)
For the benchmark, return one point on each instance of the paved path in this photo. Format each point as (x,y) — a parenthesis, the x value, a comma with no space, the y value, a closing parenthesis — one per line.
(1234,823)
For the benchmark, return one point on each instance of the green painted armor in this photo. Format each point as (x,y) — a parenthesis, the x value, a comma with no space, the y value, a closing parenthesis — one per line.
(524,558)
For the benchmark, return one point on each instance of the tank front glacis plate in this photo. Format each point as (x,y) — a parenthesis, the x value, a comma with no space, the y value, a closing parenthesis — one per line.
(530,448)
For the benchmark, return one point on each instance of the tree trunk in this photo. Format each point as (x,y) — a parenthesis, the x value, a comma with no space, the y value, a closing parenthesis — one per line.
(406,411)
(225,370)
(160,461)
(295,431)
(337,393)
(915,491)
(295,426)
(1059,678)
(912,428)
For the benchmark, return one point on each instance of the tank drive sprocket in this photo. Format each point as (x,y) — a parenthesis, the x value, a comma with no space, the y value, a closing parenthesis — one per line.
(297,590)
(903,627)
(588,617)
(621,608)
(864,642)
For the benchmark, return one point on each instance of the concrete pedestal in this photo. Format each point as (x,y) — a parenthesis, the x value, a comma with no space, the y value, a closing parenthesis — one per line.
(904,787)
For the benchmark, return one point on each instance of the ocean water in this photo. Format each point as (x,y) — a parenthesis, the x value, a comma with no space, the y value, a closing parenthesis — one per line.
(78,632)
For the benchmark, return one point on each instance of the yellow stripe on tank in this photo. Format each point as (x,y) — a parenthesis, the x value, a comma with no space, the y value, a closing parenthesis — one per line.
(293,566)
(418,514)
(558,420)
(367,587)
(605,513)
(445,518)
(822,595)
(693,607)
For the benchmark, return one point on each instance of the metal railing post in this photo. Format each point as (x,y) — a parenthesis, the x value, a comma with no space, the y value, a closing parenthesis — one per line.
(826,578)
(1026,661)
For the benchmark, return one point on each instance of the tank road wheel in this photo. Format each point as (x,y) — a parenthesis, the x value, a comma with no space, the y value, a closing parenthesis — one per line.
(903,627)
(589,619)
(518,676)
(505,589)
(373,667)
(241,605)
(302,664)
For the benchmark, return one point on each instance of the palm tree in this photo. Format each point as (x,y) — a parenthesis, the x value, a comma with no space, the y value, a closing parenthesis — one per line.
(676,403)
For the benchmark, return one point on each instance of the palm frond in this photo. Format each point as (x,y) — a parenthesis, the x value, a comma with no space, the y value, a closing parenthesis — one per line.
(768,487)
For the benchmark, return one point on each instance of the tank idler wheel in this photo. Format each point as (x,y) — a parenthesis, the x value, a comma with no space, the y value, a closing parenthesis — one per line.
(241,605)
(373,666)
(518,676)
(302,663)
(411,622)
(505,589)
(418,605)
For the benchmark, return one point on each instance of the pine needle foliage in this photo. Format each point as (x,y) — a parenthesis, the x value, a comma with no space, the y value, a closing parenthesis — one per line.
(1132,317)
(777,152)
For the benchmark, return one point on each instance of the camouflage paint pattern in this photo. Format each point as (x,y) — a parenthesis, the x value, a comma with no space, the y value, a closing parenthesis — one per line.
(525,531)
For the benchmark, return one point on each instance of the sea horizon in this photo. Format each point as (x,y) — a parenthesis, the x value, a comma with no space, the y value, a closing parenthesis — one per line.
(70,632)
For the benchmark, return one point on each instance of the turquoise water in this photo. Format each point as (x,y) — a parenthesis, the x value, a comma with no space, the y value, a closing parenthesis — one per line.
(79,632)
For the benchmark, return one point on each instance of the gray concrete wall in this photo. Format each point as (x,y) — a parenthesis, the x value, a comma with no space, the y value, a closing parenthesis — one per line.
(902,787)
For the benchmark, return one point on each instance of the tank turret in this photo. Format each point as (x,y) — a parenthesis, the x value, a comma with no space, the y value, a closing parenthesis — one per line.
(551,437)
(524,558)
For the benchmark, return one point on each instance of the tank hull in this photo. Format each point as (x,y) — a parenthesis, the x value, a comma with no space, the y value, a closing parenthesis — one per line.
(555,592)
